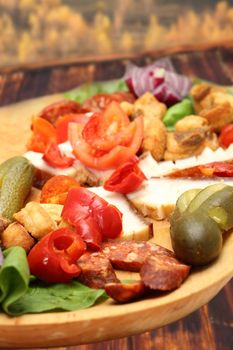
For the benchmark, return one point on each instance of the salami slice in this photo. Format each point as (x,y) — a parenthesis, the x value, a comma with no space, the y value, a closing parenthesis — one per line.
(124,292)
(165,273)
(130,255)
(96,270)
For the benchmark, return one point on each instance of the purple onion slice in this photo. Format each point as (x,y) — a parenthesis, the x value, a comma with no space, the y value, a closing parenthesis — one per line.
(160,79)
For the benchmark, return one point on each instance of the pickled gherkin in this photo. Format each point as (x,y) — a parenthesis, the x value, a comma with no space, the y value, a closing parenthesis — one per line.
(16,178)
(198,221)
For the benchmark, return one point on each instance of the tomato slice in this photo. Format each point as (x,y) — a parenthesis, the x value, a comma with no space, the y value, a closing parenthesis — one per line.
(54,157)
(99,102)
(105,131)
(63,122)
(43,133)
(106,160)
(226,136)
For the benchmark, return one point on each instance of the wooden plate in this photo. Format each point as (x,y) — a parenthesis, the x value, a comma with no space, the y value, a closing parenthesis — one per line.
(107,320)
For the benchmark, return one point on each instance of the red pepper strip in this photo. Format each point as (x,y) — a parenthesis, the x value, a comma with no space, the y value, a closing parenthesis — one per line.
(92,216)
(127,178)
(53,258)
(222,169)
(54,157)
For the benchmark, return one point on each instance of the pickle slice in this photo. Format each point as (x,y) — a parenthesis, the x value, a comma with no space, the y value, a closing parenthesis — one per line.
(203,195)
(219,206)
(185,199)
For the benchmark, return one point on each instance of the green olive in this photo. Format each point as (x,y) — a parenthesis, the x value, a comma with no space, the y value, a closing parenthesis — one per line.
(196,238)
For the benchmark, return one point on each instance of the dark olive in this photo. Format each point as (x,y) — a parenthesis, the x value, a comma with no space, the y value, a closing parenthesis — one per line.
(196,238)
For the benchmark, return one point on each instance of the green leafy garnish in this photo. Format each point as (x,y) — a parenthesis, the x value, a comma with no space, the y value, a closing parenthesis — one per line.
(21,293)
(60,296)
(14,276)
(85,91)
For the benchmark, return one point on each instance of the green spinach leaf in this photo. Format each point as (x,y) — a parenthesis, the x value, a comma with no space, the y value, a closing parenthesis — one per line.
(14,276)
(41,298)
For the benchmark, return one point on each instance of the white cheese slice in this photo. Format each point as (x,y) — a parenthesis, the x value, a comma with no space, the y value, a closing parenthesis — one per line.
(157,197)
(134,226)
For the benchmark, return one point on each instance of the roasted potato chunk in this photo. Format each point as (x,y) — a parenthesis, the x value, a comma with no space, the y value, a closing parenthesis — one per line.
(16,235)
(36,220)
(191,122)
(149,106)
(54,211)
(218,116)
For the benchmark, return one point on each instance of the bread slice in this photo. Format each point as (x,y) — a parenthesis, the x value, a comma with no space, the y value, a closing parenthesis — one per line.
(134,225)
(157,197)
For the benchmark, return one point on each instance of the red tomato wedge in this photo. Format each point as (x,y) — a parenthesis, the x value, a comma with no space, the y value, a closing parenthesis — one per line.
(43,133)
(54,157)
(125,179)
(53,258)
(105,160)
(226,136)
(105,131)
(63,122)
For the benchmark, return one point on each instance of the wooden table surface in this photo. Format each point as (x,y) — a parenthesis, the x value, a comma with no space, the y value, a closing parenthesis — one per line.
(211,327)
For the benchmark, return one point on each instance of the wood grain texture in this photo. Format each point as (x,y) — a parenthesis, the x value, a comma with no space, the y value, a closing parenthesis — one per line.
(209,328)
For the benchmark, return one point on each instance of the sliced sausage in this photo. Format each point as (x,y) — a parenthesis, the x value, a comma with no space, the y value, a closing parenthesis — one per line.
(124,292)
(96,270)
(130,255)
(160,272)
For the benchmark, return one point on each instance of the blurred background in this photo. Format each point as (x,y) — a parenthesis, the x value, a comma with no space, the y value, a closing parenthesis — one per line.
(37,30)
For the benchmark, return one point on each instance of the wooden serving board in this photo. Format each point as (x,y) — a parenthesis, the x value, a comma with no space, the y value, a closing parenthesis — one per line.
(107,320)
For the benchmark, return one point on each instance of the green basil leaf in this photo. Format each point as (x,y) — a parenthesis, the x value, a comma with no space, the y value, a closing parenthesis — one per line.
(14,276)
(85,91)
(68,297)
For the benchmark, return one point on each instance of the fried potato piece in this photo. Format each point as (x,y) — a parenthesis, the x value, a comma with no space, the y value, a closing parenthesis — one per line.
(155,137)
(191,136)
(218,115)
(54,211)
(36,220)
(213,103)
(16,235)
(149,106)
(191,122)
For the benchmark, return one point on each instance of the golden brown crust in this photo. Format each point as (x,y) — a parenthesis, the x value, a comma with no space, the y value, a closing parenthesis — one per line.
(36,220)
(16,235)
